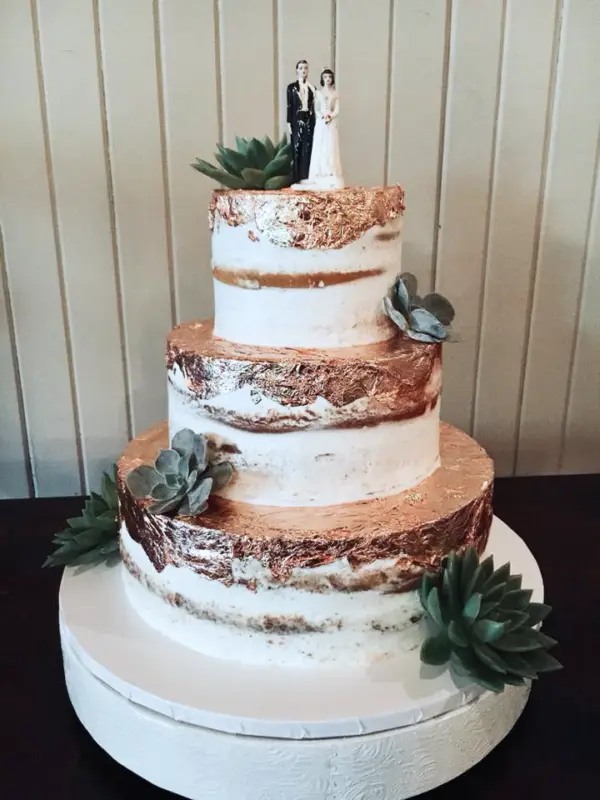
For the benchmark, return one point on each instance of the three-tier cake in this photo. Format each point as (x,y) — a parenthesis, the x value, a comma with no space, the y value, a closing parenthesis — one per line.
(346,488)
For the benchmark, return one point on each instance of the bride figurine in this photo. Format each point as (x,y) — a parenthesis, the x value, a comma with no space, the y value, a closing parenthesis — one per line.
(325,170)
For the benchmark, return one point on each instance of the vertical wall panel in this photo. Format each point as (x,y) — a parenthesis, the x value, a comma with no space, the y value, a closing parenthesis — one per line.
(305,31)
(69,63)
(32,261)
(468,156)
(192,129)
(582,431)
(363,34)
(525,94)
(248,67)
(569,188)
(417,94)
(13,449)
(131,86)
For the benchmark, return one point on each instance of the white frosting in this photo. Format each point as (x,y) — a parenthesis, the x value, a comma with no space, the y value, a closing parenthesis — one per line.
(340,315)
(314,466)
(358,627)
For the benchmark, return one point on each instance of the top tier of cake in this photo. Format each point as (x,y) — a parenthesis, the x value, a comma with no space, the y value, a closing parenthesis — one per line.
(305,269)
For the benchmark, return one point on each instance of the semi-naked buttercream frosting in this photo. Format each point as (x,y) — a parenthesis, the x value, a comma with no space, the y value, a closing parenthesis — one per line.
(345,486)
(302,268)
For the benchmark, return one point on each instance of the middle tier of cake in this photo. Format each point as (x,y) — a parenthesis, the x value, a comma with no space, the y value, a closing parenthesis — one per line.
(308,427)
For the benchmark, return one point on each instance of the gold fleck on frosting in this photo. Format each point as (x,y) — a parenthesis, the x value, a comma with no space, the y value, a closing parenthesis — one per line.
(309,220)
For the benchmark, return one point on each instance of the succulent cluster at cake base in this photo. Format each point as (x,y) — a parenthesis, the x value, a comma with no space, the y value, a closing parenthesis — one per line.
(254,164)
(179,483)
(92,537)
(424,319)
(484,623)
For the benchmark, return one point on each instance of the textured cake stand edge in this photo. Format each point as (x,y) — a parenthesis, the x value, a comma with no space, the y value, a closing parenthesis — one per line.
(201,764)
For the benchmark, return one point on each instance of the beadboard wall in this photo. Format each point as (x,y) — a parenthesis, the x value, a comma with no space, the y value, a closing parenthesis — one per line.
(487,111)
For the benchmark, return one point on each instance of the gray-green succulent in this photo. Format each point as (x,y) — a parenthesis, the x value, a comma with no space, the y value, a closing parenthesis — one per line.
(425,319)
(181,479)
(484,623)
(93,536)
(254,164)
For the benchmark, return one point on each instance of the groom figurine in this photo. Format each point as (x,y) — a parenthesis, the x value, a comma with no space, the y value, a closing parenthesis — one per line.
(301,120)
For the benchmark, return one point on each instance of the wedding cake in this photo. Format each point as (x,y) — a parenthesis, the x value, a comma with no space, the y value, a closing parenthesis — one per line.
(345,487)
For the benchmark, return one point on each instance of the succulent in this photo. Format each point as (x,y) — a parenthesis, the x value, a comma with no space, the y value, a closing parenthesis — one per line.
(92,537)
(425,319)
(181,479)
(485,624)
(254,164)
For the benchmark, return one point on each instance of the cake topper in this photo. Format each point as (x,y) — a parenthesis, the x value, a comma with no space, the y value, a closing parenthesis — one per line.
(301,120)
(325,169)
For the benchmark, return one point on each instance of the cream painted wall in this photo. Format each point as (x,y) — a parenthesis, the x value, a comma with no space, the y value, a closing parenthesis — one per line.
(488,112)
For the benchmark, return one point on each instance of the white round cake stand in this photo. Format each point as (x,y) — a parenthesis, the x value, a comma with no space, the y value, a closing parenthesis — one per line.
(216,730)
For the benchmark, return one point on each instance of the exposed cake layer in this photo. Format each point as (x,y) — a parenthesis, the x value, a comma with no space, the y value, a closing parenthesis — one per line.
(309,427)
(305,269)
(261,583)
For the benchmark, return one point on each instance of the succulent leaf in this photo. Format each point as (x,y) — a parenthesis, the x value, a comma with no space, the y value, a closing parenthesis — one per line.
(517,600)
(497,578)
(488,630)
(199,495)
(490,657)
(471,608)
(435,650)
(427,584)
(394,315)
(470,563)
(279,182)
(537,612)
(421,321)
(220,473)
(254,178)
(433,606)
(142,480)
(280,165)
(183,442)
(440,307)
(232,160)
(457,634)
(402,298)
(222,177)
(167,462)
(257,155)
(93,537)
(410,282)
(269,148)
(542,661)
(493,642)
(199,455)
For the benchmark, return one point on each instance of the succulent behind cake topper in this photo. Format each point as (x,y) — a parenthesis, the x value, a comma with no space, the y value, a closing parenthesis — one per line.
(255,164)
(425,319)
(486,624)
(181,479)
(92,537)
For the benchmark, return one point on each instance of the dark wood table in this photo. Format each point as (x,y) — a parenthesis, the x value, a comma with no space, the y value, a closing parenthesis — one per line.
(553,751)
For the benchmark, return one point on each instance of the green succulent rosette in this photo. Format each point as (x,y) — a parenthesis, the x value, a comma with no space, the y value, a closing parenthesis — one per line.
(425,319)
(484,623)
(254,164)
(92,537)
(181,479)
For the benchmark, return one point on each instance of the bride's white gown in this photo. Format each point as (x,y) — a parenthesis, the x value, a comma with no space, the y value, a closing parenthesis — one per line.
(325,165)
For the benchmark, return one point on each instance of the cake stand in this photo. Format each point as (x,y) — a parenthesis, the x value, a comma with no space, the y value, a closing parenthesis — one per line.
(215,730)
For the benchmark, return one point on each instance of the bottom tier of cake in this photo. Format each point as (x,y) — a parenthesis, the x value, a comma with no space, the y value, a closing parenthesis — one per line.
(287,585)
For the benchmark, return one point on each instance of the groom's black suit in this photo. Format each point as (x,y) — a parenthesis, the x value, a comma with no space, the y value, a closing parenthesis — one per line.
(303,129)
